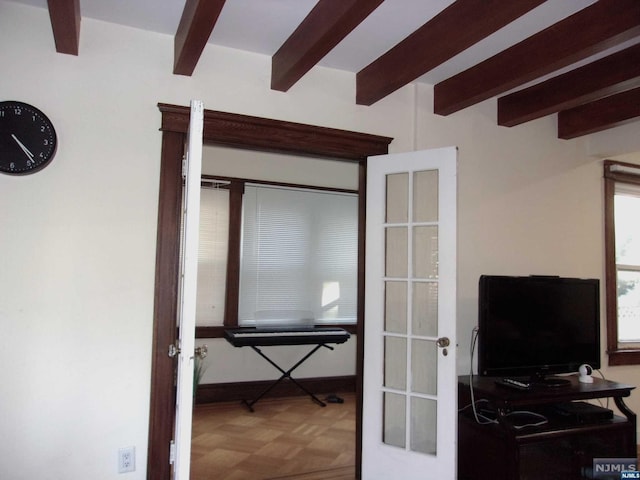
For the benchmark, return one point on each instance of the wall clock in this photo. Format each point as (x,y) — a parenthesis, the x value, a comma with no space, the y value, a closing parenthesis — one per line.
(28,139)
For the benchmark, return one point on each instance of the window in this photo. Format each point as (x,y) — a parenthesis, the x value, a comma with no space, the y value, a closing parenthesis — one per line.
(622,243)
(297,254)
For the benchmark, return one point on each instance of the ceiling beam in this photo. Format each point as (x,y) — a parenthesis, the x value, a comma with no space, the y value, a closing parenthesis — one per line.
(438,40)
(197,22)
(600,115)
(607,76)
(65,22)
(600,26)
(328,23)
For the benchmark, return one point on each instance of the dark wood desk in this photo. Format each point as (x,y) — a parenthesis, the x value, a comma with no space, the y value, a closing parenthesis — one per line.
(563,448)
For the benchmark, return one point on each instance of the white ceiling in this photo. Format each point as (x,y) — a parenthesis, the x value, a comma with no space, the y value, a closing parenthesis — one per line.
(262,26)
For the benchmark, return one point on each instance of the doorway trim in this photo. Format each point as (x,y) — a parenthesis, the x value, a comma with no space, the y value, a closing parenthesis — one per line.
(253,133)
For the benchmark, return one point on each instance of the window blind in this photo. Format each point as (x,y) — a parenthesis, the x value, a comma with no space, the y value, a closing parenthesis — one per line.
(212,256)
(299,254)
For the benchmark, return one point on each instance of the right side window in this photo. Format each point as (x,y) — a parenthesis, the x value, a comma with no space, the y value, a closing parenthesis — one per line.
(622,239)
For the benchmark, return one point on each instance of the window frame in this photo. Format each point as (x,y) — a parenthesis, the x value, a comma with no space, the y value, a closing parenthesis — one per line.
(613,176)
(232,294)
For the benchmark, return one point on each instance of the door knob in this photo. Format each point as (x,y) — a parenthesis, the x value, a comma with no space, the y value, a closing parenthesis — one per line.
(443,343)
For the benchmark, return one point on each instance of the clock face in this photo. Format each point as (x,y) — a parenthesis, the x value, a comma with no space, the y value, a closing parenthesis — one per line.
(27,138)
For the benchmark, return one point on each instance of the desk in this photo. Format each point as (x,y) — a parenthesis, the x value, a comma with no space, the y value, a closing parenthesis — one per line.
(559,449)
(254,338)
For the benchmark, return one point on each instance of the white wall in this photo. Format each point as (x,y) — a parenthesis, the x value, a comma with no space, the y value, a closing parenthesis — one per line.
(78,238)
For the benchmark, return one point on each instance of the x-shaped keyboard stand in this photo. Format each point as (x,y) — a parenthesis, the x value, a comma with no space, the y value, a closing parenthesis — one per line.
(286,374)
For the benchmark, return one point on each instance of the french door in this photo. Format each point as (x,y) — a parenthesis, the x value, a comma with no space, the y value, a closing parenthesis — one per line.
(192,168)
(409,386)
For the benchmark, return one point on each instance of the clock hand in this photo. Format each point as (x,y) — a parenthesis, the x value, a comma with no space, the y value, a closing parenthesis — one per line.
(24,149)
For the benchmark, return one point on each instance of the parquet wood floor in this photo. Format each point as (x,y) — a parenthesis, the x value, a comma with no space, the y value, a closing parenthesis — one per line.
(284,439)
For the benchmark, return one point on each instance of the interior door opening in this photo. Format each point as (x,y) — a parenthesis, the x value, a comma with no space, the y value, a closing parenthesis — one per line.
(245,132)
(298,231)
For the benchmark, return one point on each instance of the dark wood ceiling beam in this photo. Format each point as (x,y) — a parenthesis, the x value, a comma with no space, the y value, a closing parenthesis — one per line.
(197,22)
(438,40)
(65,22)
(602,25)
(600,115)
(607,76)
(328,23)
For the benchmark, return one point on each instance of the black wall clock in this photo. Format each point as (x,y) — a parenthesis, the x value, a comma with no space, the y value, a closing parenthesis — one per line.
(27,138)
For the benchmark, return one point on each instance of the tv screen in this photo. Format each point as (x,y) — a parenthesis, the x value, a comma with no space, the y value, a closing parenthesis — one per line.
(535,326)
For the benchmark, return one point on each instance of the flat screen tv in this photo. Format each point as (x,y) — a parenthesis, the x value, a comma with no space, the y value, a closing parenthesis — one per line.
(537,326)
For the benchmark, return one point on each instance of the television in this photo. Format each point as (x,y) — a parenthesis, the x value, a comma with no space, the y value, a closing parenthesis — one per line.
(537,326)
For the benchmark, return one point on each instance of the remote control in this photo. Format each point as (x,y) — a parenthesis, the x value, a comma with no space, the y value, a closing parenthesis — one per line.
(512,383)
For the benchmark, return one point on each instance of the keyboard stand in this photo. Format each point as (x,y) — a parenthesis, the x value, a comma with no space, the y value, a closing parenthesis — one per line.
(286,374)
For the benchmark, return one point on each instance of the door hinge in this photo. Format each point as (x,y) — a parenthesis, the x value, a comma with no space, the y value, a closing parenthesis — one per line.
(173,351)
(184,167)
(172,452)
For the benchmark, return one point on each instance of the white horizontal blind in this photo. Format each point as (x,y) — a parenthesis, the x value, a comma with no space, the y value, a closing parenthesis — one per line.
(299,254)
(212,256)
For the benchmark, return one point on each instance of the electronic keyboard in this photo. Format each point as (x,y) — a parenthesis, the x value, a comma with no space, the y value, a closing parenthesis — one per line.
(267,336)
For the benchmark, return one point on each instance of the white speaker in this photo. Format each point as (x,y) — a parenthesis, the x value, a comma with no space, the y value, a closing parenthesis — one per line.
(585,372)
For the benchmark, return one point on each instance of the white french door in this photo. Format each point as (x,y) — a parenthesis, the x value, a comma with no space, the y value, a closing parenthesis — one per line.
(187,296)
(410,386)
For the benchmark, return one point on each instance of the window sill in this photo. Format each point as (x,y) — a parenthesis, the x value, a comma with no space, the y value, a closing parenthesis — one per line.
(626,356)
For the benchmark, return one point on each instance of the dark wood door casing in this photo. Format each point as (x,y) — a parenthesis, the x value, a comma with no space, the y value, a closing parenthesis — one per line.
(240,131)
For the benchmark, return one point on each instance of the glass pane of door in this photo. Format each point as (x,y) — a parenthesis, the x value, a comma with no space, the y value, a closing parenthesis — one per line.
(397,252)
(395,363)
(425,251)
(423,425)
(394,420)
(397,207)
(425,196)
(424,320)
(395,306)
(424,362)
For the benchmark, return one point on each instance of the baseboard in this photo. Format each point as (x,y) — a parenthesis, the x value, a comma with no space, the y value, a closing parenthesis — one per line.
(227,392)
